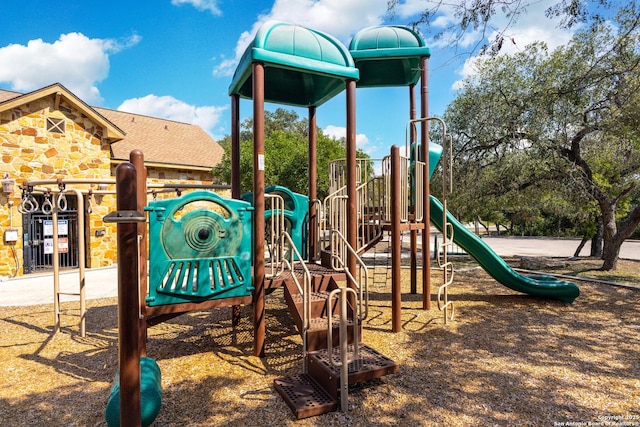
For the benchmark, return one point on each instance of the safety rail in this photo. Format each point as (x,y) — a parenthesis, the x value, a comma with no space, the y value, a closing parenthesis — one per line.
(337,262)
(365,169)
(448,271)
(278,241)
(404,189)
(419,193)
(304,289)
(320,215)
(372,209)
(334,215)
(345,358)
(274,227)
(447,228)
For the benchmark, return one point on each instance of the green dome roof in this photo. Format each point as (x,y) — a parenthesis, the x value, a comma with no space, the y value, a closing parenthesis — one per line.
(303,67)
(388,55)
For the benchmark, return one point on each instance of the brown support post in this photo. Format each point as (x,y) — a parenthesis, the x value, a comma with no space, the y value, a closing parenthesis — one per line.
(236,190)
(313,184)
(396,285)
(128,321)
(258,213)
(426,234)
(136,157)
(235,147)
(414,233)
(352,220)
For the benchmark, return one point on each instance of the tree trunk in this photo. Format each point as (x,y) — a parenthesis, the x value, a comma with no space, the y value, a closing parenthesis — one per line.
(596,241)
(609,230)
(611,250)
(610,255)
(486,227)
(583,242)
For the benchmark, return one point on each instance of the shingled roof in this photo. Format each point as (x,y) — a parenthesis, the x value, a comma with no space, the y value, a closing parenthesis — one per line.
(164,142)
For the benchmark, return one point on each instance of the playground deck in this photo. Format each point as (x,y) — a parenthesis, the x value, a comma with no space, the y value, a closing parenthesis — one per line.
(507,359)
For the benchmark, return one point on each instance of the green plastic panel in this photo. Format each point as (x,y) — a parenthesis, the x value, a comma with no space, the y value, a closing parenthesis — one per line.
(303,67)
(199,248)
(296,214)
(388,56)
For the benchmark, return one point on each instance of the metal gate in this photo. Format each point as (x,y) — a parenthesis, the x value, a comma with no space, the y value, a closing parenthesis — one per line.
(38,237)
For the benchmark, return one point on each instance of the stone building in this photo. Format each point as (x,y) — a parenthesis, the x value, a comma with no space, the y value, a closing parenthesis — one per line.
(50,134)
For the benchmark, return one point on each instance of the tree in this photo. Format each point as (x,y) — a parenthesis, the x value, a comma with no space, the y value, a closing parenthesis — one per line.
(474,16)
(574,114)
(286,154)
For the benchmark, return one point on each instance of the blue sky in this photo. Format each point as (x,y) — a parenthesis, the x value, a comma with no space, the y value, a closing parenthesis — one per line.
(174,58)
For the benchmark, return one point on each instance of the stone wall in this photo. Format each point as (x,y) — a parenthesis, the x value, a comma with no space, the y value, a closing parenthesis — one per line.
(40,142)
(31,151)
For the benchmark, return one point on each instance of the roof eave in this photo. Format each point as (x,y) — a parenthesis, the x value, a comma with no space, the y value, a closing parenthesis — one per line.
(114,133)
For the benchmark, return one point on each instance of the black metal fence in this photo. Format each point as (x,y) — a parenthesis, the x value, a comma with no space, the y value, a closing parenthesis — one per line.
(38,238)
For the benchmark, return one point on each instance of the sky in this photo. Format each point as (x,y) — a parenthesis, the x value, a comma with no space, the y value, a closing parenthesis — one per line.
(174,59)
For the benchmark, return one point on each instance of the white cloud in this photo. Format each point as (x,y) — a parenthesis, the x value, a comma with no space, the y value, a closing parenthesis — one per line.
(338,132)
(201,5)
(40,63)
(339,18)
(168,107)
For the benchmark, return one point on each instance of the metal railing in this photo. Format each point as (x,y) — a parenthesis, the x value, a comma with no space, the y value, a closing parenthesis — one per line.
(338,264)
(284,255)
(404,189)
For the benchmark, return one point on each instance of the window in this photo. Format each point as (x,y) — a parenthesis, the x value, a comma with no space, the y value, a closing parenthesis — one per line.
(55,125)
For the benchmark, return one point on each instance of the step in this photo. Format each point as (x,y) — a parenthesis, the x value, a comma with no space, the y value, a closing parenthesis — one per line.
(318,302)
(317,335)
(370,364)
(305,396)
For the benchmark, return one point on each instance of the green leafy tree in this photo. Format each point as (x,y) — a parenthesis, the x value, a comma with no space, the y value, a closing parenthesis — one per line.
(568,121)
(286,154)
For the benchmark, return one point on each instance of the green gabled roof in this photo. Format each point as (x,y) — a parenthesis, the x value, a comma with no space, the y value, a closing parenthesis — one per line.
(388,55)
(303,67)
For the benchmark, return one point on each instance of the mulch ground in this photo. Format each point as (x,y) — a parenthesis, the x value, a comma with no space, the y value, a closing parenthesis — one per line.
(506,359)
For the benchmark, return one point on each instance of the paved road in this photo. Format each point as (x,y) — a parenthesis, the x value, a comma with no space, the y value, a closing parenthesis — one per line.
(103,282)
(546,246)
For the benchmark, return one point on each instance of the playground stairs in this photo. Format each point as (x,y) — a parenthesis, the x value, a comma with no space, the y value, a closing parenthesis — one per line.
(317,332)
(317,391)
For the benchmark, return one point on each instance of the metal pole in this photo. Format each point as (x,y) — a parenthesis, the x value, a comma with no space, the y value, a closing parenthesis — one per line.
(414,233)
(81,262)
(313,184)
(396,285)
(344,347)
(352,220)
(426,234)
(235,147)
(236,189)
(56,270)
(258,214)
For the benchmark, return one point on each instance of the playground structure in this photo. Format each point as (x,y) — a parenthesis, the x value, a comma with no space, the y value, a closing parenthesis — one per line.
(235,252)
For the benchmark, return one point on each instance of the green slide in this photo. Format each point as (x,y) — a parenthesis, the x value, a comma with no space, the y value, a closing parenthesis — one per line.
(542,286)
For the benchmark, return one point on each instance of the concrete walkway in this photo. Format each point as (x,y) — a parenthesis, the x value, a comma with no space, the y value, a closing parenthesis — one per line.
(103,282)
(37,288)
(547,246)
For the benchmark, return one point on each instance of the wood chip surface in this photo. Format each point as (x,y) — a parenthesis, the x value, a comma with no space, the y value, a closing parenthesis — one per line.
(507,359)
